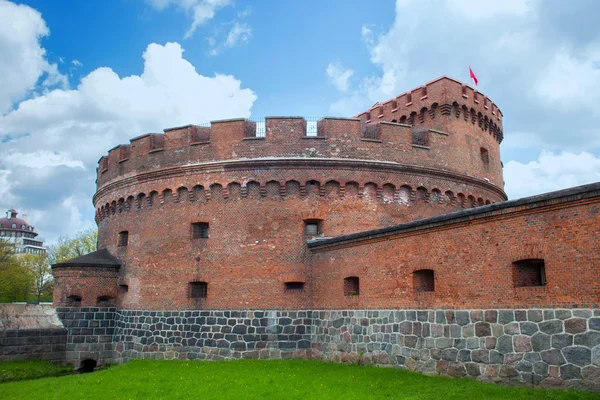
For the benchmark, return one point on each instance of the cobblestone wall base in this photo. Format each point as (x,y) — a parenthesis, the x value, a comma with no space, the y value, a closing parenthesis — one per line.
(539,347)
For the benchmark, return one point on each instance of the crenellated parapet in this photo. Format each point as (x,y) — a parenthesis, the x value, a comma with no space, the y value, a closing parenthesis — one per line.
(444,96)
(435,143)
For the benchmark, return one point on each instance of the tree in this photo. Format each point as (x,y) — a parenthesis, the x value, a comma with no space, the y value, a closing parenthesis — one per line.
(26,275)
(69,247)
(40,271)
(7,251)
(16,280)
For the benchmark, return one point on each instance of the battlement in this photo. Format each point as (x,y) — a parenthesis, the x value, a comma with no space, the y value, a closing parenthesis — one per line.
(449,95)
(425,127)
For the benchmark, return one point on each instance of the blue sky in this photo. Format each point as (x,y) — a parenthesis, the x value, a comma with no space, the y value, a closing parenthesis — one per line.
(79,77)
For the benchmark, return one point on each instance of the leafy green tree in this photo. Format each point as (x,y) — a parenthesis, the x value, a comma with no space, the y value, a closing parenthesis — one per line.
(41,272)
(69,247)
(26,277)
(16,279)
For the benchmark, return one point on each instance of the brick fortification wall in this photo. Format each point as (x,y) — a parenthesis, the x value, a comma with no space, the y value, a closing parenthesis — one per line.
(257,193)
(384,238)
(474,258)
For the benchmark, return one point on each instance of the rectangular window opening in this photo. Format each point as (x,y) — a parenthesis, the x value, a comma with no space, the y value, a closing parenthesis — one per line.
(531,272)
(312,228)
(200,230)
(485,156)
(351,286)
(123,239)
(424,281)
(198,290)
(294,286)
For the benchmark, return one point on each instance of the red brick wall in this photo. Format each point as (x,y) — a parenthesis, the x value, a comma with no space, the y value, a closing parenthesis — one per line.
(255,194)
(256,231)
(85,282)
(473,262)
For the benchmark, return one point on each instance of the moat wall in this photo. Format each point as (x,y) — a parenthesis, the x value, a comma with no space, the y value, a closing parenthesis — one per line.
(545,347)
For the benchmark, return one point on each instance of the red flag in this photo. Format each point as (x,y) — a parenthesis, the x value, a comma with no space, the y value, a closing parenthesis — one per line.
(472,75)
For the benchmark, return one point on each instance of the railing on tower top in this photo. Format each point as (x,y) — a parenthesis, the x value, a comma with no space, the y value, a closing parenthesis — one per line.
(257,128)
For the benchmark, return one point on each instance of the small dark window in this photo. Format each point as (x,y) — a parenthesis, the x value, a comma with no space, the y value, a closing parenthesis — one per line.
(123,238)
(294,286)
(420,137)
(531,272)
(200,230)
(351,286)
(198,290)
(74,301)
(104,301)
(312,228)
(485,156)
(123,289)
(423,280)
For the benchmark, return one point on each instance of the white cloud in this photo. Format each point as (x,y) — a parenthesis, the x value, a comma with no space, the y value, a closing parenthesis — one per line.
(76,63)
(42,159)
(572,80)
(540,72)
(239,33)
(486,9)
(339,76)
(201,11)
(550,172)
(22,59)
(58,137)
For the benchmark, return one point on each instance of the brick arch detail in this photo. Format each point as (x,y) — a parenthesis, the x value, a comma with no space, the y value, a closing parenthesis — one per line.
(385,192)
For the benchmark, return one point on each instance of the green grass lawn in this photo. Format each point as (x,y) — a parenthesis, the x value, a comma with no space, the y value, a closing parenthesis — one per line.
(290,379)
(21,370)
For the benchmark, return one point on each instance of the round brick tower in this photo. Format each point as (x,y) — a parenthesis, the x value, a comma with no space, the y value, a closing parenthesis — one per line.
(218,217)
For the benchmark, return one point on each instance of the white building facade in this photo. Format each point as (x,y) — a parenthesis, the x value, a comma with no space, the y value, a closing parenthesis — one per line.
(22,235)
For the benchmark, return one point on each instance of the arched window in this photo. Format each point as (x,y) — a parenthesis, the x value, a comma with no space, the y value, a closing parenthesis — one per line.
(104,301)
(74,300)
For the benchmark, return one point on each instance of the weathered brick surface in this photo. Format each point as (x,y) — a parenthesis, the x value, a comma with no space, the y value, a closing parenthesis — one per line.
(472,257)
(87,283)
(255,193)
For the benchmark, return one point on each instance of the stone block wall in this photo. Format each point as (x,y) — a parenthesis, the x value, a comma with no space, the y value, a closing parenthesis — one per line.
(545,347)
(212,335)
(90,333)
(33,344)
(537,347)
